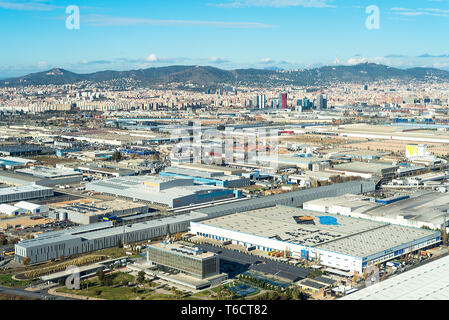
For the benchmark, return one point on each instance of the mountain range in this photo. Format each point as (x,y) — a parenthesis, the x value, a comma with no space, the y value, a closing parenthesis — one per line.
(207,76)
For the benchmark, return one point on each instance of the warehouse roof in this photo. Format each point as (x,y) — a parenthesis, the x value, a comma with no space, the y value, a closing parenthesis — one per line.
(6,208)
(134,185)
(27,205)
(351,236)
(104,229)
(193,172)
(270,201)
(49,172)
(357,203)
(24,188)
(424,206)
(20,148)
(17,178)
(427,282)
(102,207)
(369,167)
(421,207)
(210,168)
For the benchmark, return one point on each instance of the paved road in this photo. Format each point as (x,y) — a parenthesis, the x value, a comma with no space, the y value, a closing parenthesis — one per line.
(43,295)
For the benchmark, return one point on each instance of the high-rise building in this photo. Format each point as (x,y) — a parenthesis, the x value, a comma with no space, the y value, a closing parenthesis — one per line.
(284,100)
(262,101)
(307,104)
(299,106)
(255,102)
(322,102)
(274,103)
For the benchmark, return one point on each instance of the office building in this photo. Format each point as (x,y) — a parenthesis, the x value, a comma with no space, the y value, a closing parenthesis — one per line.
(185,258)
(283,99)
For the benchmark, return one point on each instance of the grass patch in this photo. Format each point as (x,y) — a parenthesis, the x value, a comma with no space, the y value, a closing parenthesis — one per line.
(160,296)
(6,280)
(192,298)
(113,252)
(203,293)
(4,296)
(117,291)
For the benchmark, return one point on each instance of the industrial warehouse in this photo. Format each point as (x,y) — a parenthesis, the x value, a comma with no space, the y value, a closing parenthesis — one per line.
(40,175)
(102,235)
(427,282)
(334,241)
(167,191)
(98,236)
(417,209)
(84,212)
(218,179)
(25,192)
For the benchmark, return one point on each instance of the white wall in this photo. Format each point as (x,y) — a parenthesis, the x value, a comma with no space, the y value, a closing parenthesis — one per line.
(326,258)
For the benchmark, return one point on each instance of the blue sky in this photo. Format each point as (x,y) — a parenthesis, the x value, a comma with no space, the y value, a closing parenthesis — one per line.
(133,34)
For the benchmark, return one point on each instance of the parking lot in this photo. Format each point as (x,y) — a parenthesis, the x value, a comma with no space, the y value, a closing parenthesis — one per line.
(22,226)
(234,263)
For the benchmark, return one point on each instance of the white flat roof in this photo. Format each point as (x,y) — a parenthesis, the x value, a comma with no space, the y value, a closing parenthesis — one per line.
(352,236)
(21,189)
(428,282)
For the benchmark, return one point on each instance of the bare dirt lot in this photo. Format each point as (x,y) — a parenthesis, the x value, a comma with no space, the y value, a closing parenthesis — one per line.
(23,221)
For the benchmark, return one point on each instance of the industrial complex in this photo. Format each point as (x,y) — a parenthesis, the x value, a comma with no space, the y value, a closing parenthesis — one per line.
(280,178)
(98,236)
(427,282)
(168,191)
(345,243)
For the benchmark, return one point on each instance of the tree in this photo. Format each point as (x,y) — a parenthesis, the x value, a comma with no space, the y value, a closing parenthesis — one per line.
(119,243)
(97,292)
(314,274)
(13,241)
(26,261)
(273,295)
(101,275)
(140,276)
(125,282)
(3,240)
(108,282)
(116,156)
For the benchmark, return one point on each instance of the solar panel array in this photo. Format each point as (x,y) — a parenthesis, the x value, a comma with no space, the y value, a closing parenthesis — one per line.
(259,264)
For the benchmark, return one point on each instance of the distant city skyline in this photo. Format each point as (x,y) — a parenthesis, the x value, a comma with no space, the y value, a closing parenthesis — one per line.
(227,34)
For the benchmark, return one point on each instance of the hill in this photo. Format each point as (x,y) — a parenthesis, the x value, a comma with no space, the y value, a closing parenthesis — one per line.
(211,76)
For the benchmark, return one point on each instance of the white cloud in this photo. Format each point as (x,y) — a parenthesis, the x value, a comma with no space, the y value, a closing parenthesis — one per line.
(42,65)
(276,3)
(358,60)
(435,12)
(266,60)
(98,20)
(218,60)
(28,6)
(152,58)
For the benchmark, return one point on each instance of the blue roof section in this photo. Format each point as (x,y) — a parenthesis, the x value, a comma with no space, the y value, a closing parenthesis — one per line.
(328,221)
